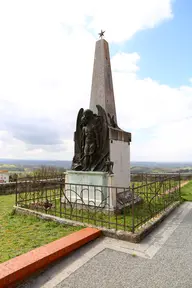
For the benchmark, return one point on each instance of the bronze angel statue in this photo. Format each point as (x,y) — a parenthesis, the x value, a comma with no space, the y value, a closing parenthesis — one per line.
(91,141)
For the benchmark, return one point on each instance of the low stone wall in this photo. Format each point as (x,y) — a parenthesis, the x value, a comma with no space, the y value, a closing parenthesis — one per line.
(10,188)
(7,188)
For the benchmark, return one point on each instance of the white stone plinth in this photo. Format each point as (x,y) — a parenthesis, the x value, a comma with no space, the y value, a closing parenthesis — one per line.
(120,155)
(89,188)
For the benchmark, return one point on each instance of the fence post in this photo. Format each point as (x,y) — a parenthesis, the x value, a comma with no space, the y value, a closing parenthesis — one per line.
(164,195)
(133,214)
(16,193)
(146,179)
(179,186)
(60,196)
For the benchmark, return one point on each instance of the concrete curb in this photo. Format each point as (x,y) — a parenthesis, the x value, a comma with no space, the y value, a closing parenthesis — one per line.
(20,267)
(147,228)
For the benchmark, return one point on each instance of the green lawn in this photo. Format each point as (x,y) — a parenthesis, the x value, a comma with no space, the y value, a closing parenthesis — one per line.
(186,192)
(20,234)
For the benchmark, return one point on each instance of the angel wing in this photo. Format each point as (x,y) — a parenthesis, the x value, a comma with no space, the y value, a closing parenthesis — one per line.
(103,127)
(78,132)
(103,134)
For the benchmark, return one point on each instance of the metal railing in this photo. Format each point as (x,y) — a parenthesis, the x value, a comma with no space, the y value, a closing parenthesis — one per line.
(116,208)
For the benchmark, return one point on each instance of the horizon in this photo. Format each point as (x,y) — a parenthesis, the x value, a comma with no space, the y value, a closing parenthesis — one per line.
(51,160)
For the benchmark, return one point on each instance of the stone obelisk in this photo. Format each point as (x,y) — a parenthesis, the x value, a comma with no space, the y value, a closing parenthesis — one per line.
(102,94)
(102,84)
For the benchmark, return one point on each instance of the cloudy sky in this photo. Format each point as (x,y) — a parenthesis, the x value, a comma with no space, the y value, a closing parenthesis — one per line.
(46,60)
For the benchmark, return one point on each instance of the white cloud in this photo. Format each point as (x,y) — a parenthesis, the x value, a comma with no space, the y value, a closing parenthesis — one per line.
(163,115)
(126,63)
(170,141)
(46,56)
(124,18)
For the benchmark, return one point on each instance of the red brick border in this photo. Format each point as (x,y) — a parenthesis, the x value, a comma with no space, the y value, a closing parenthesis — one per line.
(22,266)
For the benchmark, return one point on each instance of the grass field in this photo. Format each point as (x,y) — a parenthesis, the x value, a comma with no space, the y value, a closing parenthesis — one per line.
(20,234)
(186,192)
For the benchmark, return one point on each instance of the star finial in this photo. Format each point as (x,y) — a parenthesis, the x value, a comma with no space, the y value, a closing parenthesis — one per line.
(101,34)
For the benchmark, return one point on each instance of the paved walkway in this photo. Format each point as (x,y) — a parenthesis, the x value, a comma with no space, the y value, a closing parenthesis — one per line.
(163,259)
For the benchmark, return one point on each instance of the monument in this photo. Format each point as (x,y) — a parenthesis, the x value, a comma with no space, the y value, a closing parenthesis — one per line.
(101,148)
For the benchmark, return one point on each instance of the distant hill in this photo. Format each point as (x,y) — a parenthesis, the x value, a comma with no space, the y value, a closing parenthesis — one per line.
(36,163)
(161,164)
(136,166)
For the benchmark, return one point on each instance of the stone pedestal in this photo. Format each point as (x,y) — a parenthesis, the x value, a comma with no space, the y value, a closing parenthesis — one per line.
(90,188)
(96,191)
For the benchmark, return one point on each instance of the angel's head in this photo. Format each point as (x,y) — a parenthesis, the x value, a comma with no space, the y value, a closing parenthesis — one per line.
(87,116)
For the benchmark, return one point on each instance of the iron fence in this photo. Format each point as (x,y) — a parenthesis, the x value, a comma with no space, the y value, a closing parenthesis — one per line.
(143,177)
(111,207)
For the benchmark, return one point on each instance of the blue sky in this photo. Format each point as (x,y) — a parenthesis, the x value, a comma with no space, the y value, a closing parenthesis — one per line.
(166,50)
